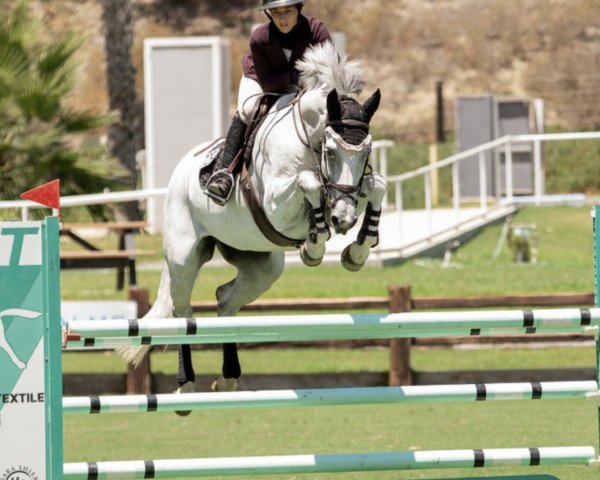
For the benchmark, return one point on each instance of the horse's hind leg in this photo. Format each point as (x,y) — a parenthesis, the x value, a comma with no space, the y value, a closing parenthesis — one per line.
(256,272)
(184,265)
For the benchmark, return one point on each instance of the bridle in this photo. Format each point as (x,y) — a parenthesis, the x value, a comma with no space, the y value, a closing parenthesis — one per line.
(328,186)
(321,165)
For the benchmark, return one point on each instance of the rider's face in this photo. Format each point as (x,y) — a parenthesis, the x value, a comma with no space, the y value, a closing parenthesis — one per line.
(285,18)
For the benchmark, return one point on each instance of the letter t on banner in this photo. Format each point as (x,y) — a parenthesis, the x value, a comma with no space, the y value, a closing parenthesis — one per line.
(47,194)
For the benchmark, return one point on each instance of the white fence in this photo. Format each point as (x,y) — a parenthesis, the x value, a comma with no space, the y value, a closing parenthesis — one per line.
(505,145)
(379,158)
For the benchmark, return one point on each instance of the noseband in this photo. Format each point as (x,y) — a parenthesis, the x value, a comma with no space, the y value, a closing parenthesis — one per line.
(345,190)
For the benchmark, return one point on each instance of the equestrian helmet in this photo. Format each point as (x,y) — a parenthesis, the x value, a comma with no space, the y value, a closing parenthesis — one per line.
(267,4)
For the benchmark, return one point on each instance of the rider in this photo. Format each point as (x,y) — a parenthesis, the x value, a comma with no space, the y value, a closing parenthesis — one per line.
(268,67)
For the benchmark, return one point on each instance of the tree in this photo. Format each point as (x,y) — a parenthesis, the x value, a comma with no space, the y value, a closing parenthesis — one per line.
(125,135)
(40,137)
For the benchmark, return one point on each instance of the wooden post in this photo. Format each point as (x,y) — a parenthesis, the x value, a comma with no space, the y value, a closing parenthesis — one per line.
(139,378)
(435,182)
(440,134)
(400,372)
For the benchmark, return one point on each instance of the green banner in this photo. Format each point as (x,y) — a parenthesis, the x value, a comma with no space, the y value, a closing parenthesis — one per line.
(29,302)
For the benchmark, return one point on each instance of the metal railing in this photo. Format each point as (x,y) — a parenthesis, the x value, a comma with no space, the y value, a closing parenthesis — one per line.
(503,145)
(81,200)
(379,158)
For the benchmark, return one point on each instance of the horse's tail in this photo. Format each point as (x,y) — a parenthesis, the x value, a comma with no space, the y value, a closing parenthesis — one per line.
(162,308)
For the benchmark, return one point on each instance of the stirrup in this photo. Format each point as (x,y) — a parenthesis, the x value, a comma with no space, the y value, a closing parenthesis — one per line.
(217,196)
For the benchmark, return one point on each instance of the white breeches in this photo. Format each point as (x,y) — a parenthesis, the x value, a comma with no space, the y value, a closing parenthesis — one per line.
(248,95)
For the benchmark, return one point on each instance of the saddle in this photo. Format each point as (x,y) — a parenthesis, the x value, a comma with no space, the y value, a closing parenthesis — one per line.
(212,162)
(212,159)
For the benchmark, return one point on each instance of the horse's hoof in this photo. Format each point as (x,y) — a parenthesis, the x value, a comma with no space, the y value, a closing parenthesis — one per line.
(223,384)
(187,387)
(348,263)
(308,260)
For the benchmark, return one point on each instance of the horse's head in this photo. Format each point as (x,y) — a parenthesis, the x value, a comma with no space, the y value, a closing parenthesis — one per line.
(345,154)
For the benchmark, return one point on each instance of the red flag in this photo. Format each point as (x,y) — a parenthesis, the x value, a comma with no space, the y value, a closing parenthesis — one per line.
(47,194)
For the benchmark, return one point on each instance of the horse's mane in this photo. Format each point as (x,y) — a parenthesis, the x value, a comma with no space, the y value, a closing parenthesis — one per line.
(322,64)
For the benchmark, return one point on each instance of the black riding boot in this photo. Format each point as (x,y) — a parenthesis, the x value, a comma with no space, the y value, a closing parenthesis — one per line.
(220,183)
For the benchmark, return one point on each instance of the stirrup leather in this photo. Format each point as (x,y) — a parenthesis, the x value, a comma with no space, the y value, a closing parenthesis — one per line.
(213,190)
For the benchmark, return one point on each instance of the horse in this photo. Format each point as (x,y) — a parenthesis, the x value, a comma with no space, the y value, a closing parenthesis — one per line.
(309,172)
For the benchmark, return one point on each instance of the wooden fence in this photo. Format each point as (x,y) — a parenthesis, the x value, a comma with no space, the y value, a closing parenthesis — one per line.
(399,299)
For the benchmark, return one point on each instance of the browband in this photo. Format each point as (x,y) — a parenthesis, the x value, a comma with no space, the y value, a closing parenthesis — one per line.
(347,123)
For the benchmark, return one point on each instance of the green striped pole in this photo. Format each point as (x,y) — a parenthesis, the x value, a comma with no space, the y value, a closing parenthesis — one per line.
(410,322)
(307,335)
(359,462)
(323,397)
(175,331)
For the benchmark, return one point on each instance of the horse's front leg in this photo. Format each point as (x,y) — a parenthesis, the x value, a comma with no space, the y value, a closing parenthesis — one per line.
(313,249)
(355,255)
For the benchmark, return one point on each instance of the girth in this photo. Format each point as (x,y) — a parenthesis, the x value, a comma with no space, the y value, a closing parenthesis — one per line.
(259,216)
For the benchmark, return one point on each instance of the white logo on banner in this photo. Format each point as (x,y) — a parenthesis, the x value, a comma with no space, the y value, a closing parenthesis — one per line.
(19,473)
(20,245)
(4,345)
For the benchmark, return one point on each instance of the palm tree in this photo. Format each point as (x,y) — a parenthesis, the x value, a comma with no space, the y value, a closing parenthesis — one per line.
(41,138)
(125,135)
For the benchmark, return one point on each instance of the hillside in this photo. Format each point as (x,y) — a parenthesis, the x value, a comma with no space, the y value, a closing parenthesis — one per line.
(528,48)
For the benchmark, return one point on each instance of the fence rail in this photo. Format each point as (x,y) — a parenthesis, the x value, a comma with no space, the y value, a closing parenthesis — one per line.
(507,145)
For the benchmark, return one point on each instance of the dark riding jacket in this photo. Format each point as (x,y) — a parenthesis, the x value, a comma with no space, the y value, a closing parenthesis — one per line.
(266,62)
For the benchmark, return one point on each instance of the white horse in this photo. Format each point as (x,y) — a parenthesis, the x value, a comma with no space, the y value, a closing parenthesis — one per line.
(309,171)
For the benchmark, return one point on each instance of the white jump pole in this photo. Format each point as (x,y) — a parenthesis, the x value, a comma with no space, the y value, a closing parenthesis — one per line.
(360,462)
(336,396)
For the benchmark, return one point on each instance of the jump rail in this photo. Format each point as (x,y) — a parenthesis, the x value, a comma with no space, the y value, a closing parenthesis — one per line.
(334,396)
(360,462)
(330,327)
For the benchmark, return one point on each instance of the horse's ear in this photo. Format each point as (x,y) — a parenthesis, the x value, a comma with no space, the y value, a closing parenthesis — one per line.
(334,109)
(372,104)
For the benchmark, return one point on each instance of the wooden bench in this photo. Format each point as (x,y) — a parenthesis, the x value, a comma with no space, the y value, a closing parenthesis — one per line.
(123,258)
